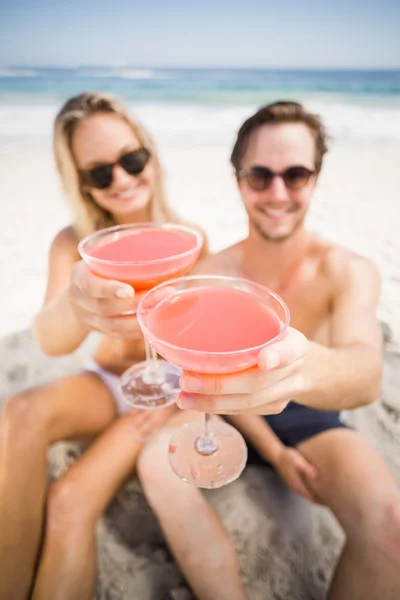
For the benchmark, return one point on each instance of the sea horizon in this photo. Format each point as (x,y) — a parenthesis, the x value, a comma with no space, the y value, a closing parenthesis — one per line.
(235,67)
(206,103)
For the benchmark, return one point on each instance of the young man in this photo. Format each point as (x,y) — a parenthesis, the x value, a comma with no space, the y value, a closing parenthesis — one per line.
(332,295)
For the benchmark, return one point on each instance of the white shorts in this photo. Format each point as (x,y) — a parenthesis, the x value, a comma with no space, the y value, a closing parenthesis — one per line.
(113,382)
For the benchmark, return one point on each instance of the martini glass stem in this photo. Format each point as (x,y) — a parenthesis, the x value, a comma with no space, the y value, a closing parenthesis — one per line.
(153,373)
(206,444)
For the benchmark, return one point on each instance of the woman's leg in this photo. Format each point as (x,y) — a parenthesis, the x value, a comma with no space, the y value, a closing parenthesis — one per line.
(75,407)
(68,563)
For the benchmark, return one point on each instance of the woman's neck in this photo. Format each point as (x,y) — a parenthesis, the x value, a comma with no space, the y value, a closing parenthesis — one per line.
(142,216)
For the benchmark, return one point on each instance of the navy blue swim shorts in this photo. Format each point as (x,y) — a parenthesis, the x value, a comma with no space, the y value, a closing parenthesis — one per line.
(296,424)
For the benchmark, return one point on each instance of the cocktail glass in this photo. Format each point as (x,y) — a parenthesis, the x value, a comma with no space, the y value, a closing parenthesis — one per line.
(212,325)
(144,255)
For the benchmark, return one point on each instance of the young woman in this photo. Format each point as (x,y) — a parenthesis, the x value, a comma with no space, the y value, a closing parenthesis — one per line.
(111,174)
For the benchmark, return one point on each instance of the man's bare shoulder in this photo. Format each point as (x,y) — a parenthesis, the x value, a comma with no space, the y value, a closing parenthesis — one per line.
(347,269)
(226,262)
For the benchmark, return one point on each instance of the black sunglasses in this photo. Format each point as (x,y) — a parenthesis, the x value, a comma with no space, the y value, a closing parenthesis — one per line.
(260,178)
(101,177)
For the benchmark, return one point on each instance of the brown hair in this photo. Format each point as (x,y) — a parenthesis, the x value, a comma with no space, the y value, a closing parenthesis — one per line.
(88,216)
(277,114)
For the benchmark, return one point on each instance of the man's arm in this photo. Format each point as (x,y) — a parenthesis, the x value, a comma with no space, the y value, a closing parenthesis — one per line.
(348,374)
(294,469)
(257,431)
(345,375)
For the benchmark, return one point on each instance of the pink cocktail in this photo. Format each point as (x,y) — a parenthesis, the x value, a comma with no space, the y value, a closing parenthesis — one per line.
(144,255)
(214,325)
(212,329)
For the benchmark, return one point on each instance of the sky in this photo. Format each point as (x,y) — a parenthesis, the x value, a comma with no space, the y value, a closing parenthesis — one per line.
(211,33)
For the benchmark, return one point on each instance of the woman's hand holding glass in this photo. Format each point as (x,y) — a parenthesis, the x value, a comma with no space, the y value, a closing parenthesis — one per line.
(264,389)
(104,305)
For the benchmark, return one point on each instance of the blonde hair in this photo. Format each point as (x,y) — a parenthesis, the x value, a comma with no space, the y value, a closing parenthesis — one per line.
(88,216)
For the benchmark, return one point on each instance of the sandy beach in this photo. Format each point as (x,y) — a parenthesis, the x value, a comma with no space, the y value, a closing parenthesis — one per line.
(287,548)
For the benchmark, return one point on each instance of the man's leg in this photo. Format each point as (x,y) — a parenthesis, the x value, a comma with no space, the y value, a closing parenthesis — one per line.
(195,534)
(357,485)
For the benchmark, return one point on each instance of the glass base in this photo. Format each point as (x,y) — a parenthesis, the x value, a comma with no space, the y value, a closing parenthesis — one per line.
(195,460)
(151,384)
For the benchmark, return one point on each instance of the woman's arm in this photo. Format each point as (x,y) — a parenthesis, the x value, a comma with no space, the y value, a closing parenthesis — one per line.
(78,301)
(56,327)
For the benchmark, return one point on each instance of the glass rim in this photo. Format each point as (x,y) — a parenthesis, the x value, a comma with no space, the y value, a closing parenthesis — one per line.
(142,225)
(225,278)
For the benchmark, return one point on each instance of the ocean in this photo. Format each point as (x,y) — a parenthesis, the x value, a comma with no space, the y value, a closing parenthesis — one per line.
(206,103)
